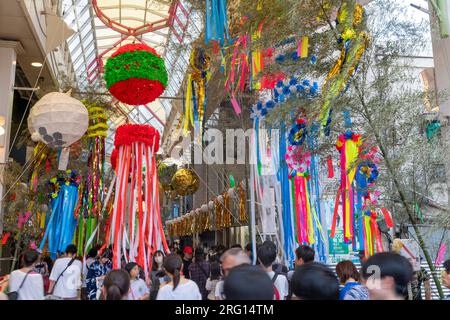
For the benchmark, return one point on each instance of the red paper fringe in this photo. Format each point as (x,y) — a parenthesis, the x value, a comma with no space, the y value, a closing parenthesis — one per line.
(127,134)
(134,47)
(137,91)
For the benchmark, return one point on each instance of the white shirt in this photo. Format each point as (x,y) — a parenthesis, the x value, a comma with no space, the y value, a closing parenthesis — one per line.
(219,290)
(33,287)
(70,281)
(281,283)
(185,291)
(138,289)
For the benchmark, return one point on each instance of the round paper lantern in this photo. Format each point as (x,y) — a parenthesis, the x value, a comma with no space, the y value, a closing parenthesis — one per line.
(204,208)
(135,74)
(211,205)
(185,182)
(58,120)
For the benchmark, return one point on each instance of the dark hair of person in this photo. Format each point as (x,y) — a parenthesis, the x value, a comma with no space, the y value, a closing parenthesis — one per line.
(267,253)
(315,281)
(107,254)
(71,249)
(173,264)
(215,270)
(30,257)
(248,247)
(346,270)
(446,265)
(247,282)
(117,284)
(236,245)
(154,264)
(306,253)
(199,254)
(129,266)
(390,265)
(92,253)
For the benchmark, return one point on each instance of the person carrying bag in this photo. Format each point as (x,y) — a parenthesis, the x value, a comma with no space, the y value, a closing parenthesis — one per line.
(50,295)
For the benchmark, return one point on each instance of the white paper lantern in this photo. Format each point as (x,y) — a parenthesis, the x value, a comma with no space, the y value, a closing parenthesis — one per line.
(204,208)
(197,211)
(220,199)
(58,120)
(211,205)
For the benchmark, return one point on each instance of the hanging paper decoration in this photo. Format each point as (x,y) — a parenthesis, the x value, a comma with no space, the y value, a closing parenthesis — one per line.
(298,133)
(297,160)
(239,71)
(216,25)
(61,225)
(58,120)
(284,91)
(354,41)
(195,101)
(93,190)
(135,74)
(185,182)
(135,223)
(348,146)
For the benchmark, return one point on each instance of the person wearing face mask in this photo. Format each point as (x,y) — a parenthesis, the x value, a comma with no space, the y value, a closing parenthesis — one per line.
(158,276)
(138,287)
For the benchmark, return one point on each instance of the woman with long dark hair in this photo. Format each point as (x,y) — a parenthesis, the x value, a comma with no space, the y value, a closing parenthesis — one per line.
(179,288)
(199,271)
(116,285)
(138,287)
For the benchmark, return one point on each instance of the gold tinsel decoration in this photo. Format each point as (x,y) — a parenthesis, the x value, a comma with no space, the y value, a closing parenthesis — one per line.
(242,211)
(219,210)
(227,217)
(185,182)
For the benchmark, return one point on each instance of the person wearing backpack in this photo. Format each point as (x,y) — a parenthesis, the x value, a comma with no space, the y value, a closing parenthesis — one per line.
(199,271)
(267,254)
(65,278)
(25,283)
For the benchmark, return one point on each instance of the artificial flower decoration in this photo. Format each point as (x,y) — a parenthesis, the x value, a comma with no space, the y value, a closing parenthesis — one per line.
(135,74)
(297,161)
(298,133)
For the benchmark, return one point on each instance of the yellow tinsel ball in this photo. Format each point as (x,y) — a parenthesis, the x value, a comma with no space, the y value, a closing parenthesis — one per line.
(185,182)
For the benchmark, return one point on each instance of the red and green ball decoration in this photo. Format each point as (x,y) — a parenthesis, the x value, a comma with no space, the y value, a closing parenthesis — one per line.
(135,74)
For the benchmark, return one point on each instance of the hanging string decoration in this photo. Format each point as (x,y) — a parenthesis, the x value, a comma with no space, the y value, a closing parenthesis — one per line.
(195,102)
(185,182)
(354,42)
(135,223)
(58,120)
(216,24)
(60,229)
(348,145)
(135,74)
(93,191)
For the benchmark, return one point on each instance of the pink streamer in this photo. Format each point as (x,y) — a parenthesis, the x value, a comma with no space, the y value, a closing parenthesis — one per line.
(441,254)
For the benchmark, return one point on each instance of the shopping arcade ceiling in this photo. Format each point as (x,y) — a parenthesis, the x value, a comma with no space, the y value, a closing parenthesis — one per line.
(102,26)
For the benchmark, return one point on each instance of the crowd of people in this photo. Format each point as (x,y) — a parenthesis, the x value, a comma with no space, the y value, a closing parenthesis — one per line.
(216,273)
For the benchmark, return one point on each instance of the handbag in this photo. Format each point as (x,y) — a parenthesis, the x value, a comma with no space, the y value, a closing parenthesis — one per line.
(14,295)
(50,295)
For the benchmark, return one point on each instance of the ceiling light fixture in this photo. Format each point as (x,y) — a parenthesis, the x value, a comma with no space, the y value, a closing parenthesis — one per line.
(36,64)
